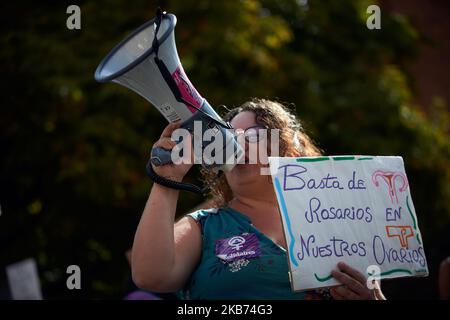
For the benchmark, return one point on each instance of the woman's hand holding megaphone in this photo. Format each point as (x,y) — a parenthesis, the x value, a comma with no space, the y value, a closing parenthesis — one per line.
(174,172)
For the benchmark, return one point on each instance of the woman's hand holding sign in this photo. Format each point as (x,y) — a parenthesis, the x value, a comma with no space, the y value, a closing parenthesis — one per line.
(354,285)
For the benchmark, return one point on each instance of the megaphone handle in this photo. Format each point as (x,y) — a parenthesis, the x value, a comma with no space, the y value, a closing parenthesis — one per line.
(160,156)
(172,184)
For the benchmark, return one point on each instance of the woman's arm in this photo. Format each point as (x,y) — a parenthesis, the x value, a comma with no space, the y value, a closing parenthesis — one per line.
(164,255)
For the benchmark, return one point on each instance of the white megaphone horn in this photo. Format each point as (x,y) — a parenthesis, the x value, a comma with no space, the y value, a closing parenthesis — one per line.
(147,62)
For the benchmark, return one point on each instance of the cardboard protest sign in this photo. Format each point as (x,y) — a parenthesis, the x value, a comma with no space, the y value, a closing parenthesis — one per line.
(347,208)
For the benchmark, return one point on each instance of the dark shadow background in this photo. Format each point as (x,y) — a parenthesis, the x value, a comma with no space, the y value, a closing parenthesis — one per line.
(73,151)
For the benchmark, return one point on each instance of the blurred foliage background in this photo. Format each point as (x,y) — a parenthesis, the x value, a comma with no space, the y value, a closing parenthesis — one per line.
(73,183)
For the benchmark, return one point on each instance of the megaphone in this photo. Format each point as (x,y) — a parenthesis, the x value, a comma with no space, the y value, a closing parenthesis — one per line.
(147,62)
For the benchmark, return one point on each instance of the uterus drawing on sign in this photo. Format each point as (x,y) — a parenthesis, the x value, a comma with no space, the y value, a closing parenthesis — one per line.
(390,178)
(401,232)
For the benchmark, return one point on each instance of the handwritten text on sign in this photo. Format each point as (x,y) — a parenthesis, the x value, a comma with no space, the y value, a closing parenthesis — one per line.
(353,209)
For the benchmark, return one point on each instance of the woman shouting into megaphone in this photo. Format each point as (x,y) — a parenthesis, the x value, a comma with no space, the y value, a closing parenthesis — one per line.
(236,249)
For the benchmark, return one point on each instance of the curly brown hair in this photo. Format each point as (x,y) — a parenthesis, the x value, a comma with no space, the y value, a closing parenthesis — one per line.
(293,142)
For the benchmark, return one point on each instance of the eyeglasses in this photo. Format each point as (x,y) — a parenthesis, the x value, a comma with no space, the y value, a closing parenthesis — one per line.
(251,134)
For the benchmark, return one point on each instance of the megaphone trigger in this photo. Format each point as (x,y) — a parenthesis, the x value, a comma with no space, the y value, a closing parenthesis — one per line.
(160,156)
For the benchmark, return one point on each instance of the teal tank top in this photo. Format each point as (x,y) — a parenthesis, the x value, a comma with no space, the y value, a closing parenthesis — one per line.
(238,261)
